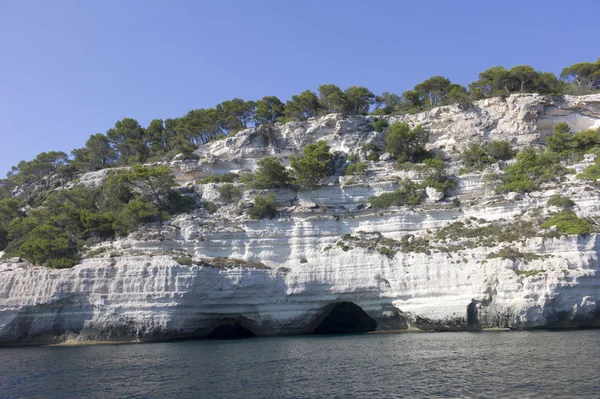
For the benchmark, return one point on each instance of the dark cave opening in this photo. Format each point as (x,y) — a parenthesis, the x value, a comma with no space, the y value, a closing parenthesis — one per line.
(346,318)
(230,331)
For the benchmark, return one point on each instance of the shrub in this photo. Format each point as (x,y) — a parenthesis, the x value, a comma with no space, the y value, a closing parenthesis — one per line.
(560,201)
(303,260)
(356,168)
(263,207)
(47,244)
(406,195)
(592,173)
(230,193)
(209,206)
(513,254)
(184,260)
(270,174)
(475,157)
(499,150)
(531,170)
(405,143)
(436,176)
(312,166)
(567,222)
(379,125)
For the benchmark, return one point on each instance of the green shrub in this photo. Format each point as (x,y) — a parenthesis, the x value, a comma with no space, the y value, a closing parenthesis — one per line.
(209,206)
(379,125)
(48,244)
(406,195)
(184,260)
(263,207)
(436,176)
(383,250)
(513,254)
(531,170)
(356,168)
(592,173)
(405,143)
(303,260)
(313,165)
(230,193)
(499,150)
(560,201)
(270,174)
(567,222)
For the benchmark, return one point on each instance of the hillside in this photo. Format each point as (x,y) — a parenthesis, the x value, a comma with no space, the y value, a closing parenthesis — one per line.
(461,217)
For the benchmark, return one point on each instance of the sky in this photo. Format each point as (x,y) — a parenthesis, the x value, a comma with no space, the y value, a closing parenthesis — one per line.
(72,68)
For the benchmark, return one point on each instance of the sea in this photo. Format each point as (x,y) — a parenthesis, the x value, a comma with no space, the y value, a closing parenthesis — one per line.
(532,364)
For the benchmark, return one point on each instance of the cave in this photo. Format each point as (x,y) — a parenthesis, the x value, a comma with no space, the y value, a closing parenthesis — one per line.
(230,331)
(346,318)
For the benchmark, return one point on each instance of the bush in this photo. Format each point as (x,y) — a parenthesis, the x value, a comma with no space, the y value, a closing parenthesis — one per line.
(184,260)
(405,143)
(560,201)
(356,168)
(47,244)
(379,125)
(209,206)
(592,173)
(531,170)
(406,195)
(230,193)
(436,176)
(264,207)
(312,167)
(478,156)
(270,174)
(567,222)
(224,178)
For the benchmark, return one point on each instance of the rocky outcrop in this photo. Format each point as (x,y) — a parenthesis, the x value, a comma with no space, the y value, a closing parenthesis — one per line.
(452,263)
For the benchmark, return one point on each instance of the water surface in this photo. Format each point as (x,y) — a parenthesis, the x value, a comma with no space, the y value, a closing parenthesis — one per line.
(537,364)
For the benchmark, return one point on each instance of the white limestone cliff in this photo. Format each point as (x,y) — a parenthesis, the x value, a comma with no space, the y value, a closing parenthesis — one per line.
(286,275)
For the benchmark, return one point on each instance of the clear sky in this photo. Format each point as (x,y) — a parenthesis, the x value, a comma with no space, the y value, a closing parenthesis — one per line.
(72,68)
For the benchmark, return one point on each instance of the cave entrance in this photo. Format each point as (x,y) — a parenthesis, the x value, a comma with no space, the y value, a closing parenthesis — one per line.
(346,318)
(230,331)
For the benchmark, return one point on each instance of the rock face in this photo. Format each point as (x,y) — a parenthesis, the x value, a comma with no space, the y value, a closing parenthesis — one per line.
(329,263)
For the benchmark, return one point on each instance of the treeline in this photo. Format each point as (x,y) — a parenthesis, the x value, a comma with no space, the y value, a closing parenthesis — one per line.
(129,143)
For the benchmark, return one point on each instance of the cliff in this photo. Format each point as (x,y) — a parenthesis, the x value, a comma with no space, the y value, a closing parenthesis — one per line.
(469,261)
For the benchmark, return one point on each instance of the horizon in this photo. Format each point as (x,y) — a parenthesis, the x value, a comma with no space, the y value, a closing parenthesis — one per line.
(68,74)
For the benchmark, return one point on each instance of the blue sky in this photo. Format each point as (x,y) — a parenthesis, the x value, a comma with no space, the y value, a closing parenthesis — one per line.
(72,68)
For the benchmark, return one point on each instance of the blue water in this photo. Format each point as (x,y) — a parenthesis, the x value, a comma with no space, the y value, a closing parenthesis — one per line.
(537,364)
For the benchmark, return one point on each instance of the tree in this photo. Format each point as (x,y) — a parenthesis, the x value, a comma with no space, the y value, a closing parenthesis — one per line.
(271,174)
(332,99)
(38,170)
(97,154)
(312,167)
(405,143)
(457,94)
(302,106)
(492,82)
(48,244)
(263,207)
(524,76)
(234,115)
(561,139)
(268,110)
(387,103)
(411,101)
(128,139)
(358,100)
(433,90)
(584,75)
(158,137)
(154,182)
